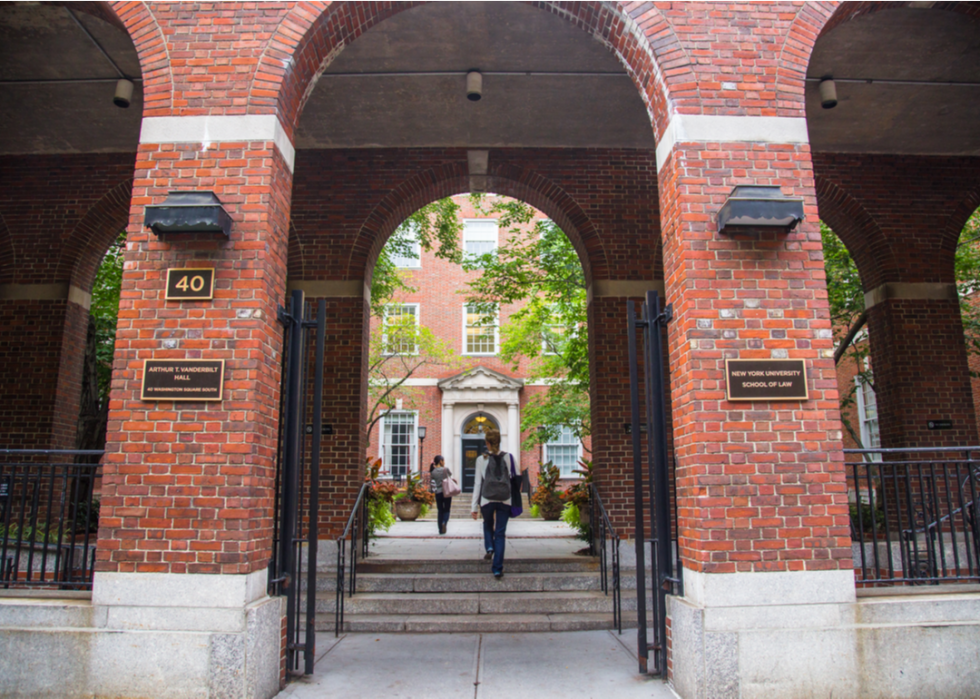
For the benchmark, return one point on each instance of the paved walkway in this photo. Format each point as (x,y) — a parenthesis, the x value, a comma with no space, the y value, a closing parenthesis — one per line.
(581,664)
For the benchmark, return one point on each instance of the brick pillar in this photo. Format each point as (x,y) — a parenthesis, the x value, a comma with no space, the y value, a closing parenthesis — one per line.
(186,525)
(917,349)
(344,401)
(761,491)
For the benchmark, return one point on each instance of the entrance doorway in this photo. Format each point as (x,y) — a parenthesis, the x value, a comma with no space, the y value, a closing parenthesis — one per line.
(473,444)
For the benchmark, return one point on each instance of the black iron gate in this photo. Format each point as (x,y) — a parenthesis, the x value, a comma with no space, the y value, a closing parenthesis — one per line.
(650,325)
(298,480)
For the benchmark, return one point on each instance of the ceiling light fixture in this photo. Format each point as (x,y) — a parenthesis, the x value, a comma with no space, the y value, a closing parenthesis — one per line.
(474,86)
(828,93)
(124,93)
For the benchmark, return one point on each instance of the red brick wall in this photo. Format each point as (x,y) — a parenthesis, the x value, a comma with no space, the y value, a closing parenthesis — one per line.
(760,486)
(59,214)
(901,217)
(188,486)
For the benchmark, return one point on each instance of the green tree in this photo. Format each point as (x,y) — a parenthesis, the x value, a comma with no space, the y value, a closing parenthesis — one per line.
(99,347)
(399,347)
(538,269)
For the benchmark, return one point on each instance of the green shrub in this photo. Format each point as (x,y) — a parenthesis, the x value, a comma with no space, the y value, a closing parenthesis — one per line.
(380,516)
(535,511)
(572,516)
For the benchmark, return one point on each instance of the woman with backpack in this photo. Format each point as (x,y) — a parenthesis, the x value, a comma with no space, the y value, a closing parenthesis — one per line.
(492,499)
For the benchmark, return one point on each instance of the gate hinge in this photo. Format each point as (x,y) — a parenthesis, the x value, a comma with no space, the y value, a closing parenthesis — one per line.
(283,315)
(668,313)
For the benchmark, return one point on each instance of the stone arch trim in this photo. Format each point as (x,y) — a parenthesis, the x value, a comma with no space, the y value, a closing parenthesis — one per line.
(154,55)
(311,34)
(450,179)
(85,246)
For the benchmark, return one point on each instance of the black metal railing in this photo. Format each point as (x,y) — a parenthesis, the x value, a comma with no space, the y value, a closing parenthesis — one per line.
(604,542)
(48,518)
(357,532)
(914,515)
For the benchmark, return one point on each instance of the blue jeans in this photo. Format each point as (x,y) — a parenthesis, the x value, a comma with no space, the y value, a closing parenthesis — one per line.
(443,507)
(495,532)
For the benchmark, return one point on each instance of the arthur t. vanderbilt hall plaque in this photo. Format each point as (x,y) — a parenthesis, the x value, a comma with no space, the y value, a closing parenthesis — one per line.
(766,379)
(183,379)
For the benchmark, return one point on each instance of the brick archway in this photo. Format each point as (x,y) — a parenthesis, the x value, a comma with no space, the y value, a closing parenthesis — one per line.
(84,248)
(310,36)
(526,186)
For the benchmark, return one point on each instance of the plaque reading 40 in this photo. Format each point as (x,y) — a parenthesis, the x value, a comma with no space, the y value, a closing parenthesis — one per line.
(190,284)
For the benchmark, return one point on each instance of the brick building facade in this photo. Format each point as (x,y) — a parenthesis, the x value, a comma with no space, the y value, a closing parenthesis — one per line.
(321,126)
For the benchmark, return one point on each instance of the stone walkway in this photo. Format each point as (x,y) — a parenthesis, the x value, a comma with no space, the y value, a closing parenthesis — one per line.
(581,664)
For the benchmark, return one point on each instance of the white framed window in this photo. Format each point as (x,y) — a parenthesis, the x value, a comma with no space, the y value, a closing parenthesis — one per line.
(867,407)
(479,237)
(399,446)
(554,334)
(478,338)
(412,259)
(399,317)
(564,452)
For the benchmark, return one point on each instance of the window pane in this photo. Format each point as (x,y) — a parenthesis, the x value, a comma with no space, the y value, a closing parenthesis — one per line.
(564,453)
(414,257)
(479,237)
(479,340)
(401,322)
(399,443)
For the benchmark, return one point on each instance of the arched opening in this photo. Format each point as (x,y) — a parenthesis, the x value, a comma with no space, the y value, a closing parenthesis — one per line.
(72,103)
(897,174)
(388,128)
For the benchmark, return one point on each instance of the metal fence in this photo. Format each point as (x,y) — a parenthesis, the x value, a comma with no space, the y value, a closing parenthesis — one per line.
(48,518)
(914,515)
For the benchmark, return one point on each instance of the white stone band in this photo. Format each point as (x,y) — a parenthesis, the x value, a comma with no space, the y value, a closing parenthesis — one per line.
(331,289)
(219,129)
(626,288)
(45,292)
(910,292)
(698,128)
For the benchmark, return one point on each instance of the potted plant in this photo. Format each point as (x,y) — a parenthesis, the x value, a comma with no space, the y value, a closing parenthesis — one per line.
(547,496)
(409,502)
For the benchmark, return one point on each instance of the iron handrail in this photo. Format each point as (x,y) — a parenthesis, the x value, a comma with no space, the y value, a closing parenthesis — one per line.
(932,500)
(53,500)
(357,524)
(601,529)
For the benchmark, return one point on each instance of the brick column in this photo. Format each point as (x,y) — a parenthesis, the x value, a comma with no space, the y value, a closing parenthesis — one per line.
(186,525)
(761,491)
(344,405)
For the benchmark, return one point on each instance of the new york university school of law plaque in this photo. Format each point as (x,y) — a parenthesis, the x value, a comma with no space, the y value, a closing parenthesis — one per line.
(766,379)
(183,379)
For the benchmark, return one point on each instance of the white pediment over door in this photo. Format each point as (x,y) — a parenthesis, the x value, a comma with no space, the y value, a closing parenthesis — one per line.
(480,385)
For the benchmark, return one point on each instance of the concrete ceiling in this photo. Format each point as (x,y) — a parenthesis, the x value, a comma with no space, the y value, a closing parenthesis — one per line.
(899,44)
(41,42)
(600,107)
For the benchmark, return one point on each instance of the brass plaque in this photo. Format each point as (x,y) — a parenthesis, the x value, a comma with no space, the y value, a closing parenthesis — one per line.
(190,284)
(183,379)
(471,454)
(766,379)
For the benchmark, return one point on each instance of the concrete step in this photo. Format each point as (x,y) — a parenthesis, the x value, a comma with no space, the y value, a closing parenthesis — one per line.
(473,623)
(483,603)
(482,582)
(444,566)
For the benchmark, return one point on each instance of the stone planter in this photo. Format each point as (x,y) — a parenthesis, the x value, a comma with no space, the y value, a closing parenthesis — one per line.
(551,511)
(408,510)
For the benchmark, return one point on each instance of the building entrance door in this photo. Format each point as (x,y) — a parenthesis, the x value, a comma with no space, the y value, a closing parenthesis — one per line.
(472,448)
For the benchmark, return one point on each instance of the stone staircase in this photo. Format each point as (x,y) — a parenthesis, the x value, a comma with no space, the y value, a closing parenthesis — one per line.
(419,596)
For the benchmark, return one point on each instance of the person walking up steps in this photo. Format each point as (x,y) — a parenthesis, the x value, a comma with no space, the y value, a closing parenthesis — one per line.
(491,498)
(438,472)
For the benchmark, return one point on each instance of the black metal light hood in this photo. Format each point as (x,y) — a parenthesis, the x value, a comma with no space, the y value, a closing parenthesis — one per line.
(759,207)
(188,212)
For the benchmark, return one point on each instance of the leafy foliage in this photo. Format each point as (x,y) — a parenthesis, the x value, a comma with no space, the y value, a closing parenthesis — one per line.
(104,311)
(537,268)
